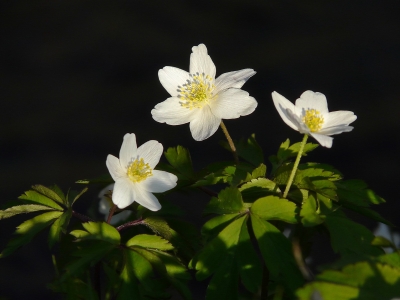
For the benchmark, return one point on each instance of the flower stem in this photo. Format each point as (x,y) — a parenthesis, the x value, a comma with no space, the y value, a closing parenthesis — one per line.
(129,224)
(112,211)
(296,164)
(230,142)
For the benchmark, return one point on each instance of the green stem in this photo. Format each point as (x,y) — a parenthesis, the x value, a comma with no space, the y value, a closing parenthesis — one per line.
(296,164)
(230,142)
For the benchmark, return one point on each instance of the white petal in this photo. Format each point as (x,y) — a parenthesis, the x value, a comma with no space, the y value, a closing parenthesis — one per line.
(104,206)
(171,112)
(114,167)
(201,62)
(171,78)
(160,182)
(128,150)
(151,152)
(335,129)
(234,79)
(123,193)
(324,140)
(341,117)
(233,103)
(283,106)
(146,199)
(311,100)
(205,124)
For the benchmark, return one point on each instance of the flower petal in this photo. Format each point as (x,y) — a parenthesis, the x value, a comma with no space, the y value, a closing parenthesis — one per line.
(151,152)
(205,124)
(311,100)
(160,182)
(284,106)
(335,129)
(324,140)
(232,104)
(123,193)
(114,167)
(341,117)
(172,112)
(171,78)
(234,79)
(146,199)
(128,150)
(201,62)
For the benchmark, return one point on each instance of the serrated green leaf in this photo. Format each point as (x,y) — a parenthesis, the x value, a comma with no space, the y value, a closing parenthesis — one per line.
(36,197)
(129,288)
(348,237)
(248,149)
(98,231)
(277,253)
(74,195)
(48,193)
(258,172)
(363,280)
(180,159)
(229,201)
(22,209)
(150,241)
(275,208)
(57,227)
(213,226)
(258,188)
(310,213)
(28,229)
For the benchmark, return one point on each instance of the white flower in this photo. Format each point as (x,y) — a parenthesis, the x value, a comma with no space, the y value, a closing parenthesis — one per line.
(311,116)
(105,204)
(199,98)
(134,174)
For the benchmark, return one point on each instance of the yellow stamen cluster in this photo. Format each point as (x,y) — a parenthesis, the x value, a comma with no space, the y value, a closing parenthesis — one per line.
(313,120)
(197,91)
(139,170)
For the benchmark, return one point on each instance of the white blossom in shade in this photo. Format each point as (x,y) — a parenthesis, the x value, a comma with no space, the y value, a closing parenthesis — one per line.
(134,174)
(310,116)
(105,204)
(200,99)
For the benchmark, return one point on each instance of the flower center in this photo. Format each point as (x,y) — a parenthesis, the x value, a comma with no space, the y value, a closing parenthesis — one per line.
(313,120)
(139,171)
(197,91)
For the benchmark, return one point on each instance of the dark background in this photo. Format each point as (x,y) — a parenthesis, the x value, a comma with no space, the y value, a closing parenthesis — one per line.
(75,76)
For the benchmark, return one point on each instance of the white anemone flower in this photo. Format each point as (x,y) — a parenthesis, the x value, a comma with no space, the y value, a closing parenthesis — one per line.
(200,99)
(105,205)
(134,174)
(310,116)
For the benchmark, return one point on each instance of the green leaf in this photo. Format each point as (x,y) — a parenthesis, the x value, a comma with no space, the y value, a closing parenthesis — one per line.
(150,241)
(248,149)
(22,209)
(37,198)
(74,195)
(348,237)
(28,229)
(362,280)
(213,226)
(258,172)
(257,188)
(276,250)
(129,288)
(229,201)
(180,159)
(275,208)
(57,227)
(98,231)
(48,193)
(310,212)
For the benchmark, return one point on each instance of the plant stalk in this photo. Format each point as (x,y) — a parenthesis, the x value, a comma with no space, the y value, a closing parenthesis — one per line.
(230,142)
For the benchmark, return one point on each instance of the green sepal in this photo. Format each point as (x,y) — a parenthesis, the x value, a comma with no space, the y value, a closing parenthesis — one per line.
(28,229)
(258,188)
(150,241)
(248,149)
(180,159)
(229,201)
(98,231)
(276,250)
(59,226)
(22,209)
(275,208)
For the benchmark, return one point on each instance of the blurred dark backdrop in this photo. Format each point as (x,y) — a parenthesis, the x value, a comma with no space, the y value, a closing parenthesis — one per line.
(75,76)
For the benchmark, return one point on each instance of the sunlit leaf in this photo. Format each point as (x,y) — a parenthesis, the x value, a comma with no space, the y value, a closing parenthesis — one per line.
(150,241)
(229,201)
(275,208)
(98,231)
(38,198)
(179,158)
(28,229)
(258,188)
(310,213)
(22,209)
(57,227)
